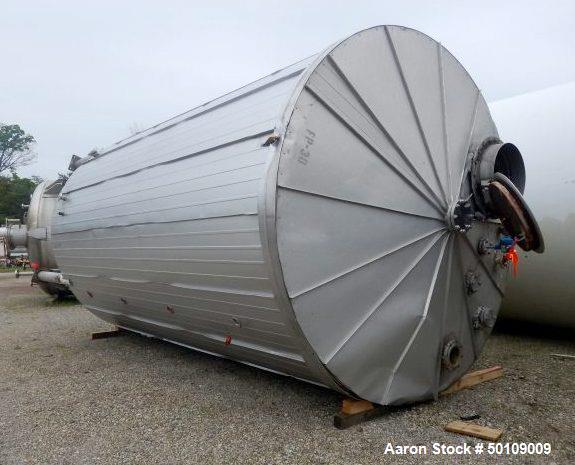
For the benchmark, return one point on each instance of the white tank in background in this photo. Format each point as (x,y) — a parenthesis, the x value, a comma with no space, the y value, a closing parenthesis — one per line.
(542,124)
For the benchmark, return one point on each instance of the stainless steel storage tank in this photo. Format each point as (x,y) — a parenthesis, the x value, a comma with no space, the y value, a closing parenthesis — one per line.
(332,221)
(35,237)
(38,243)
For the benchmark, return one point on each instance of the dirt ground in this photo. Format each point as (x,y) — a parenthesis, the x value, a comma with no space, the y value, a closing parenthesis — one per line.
(65,399)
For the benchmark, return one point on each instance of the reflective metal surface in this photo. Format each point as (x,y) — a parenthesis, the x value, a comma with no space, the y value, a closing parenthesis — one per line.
(317,222)
(39,219)
(375,153)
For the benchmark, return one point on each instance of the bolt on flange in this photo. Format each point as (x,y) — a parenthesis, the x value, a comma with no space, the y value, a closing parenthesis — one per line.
(460,216)
(483,317)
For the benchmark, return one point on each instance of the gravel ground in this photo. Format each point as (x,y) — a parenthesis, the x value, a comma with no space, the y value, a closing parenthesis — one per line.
(65,399)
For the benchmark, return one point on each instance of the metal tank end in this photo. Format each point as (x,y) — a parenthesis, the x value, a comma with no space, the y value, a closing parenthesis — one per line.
(430,164)
(34,235)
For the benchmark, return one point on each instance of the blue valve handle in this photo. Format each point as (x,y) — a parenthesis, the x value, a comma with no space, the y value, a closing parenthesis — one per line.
(505,243)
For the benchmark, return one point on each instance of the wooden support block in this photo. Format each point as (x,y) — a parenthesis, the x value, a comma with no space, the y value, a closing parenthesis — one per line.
(354,412)
(353,406)
(343,421)
(473,378)
(476,431)
(106,334)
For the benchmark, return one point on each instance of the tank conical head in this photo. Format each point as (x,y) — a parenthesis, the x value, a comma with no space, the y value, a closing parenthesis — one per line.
(372,183)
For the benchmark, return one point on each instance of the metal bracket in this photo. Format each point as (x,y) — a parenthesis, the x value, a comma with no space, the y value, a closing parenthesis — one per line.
(271,140)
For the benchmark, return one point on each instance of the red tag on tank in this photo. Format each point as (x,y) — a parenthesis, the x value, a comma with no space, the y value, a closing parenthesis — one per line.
(511,255)
(228,340)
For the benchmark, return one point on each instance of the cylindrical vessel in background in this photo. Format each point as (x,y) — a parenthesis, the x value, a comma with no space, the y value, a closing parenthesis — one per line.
(39,218)
(543,125)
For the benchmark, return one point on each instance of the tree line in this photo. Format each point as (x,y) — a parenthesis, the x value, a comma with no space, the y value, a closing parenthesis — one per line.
(16,150)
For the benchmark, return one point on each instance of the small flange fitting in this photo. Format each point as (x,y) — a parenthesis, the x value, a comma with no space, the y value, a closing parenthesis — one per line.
(472,282)
(460,216)
(451,354)
(483,317)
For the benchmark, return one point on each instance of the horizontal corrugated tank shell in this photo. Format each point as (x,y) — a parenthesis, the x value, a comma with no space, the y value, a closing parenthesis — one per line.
(161,232)
(299,223)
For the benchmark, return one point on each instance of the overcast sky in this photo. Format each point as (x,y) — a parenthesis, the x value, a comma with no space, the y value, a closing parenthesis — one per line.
(80,75)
